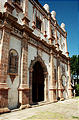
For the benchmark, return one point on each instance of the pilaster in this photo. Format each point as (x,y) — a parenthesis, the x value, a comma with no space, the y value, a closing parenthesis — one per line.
(26,8)
(24,88)
(4,51)
(60,87)
(69,82)
(52,88)
(56,41)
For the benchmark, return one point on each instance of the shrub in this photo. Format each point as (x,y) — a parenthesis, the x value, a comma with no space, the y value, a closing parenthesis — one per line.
(77,89)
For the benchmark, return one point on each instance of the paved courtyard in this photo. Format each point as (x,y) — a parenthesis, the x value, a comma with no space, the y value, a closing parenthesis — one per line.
(62,110)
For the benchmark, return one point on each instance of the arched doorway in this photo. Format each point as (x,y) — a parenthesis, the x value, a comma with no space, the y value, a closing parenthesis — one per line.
(37,83)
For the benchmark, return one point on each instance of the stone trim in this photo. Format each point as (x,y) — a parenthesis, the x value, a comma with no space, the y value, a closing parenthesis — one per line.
(4,86)
(17,7)
(9,7)
(4,110)
(26,20)
(39,44)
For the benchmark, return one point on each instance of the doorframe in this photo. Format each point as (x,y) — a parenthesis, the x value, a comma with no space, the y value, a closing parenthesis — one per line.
(38,59)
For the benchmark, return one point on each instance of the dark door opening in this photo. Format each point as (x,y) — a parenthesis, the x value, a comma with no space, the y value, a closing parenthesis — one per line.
(37,83)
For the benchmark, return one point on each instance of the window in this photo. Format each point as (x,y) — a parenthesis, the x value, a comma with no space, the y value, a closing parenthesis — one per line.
(13,62)
(38,23)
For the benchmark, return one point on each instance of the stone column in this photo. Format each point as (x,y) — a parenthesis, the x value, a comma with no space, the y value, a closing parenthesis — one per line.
(24,88)
(52,88)
(60,87)
(4,52)
(69,82)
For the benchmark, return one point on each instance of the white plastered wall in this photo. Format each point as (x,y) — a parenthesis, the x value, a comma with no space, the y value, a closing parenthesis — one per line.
(30,14)
(2,2)
(13,87)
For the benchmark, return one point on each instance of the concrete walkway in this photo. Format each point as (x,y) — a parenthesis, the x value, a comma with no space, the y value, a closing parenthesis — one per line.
(68,108)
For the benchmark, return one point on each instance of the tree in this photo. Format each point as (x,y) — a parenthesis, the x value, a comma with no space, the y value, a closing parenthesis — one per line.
(75,65)
(77,89)
(75,72)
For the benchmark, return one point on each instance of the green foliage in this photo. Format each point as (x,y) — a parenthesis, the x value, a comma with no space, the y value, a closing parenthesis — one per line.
(77,89)
(75,65)
(75,117)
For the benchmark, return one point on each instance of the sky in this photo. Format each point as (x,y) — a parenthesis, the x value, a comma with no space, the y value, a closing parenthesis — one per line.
(67,11)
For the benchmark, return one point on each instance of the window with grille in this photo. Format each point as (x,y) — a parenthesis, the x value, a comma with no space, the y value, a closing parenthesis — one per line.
(13,61)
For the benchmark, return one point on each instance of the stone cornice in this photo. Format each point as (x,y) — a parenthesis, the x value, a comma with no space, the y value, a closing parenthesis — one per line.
(17,7)
(27,29)
(39,7)
(9,17)
(8,7)
(4,86)
(23,87)
(7,28)
(39,44)
(26,20)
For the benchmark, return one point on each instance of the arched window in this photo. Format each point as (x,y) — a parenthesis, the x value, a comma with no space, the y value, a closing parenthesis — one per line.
(13,62)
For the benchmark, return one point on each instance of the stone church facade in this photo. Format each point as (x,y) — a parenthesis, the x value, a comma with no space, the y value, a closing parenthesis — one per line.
(34,61)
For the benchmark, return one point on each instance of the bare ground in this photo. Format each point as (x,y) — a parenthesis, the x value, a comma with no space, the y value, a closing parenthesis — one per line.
(62,110)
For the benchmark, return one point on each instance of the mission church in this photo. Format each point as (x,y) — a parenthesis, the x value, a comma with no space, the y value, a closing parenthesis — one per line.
(34,60)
